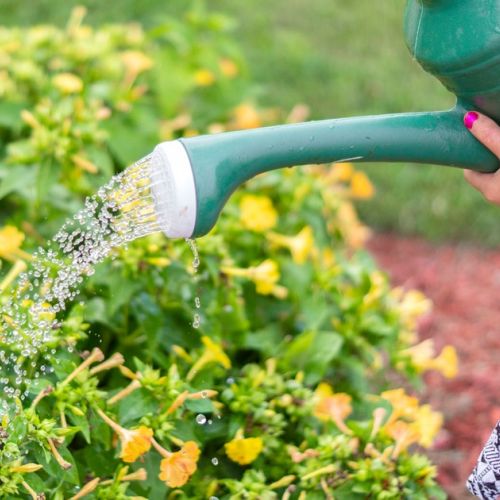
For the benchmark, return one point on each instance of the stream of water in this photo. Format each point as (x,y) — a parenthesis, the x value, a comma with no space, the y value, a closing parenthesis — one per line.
(117,214)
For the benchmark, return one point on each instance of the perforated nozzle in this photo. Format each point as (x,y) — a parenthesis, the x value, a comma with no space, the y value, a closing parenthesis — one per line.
(173,189)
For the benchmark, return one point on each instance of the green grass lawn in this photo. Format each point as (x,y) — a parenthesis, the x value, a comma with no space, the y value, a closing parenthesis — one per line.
(341,59)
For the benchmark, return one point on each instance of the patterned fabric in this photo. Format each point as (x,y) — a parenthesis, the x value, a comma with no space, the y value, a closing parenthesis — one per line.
(484,482)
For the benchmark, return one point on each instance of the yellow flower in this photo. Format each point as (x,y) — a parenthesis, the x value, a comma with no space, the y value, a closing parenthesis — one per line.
(134,442)
(243,450)
(332,406)
(352,230)
(447,362)
(427,424)
(204,78)
(421,354)
(228,67)
(422,357)
(402,405)
(403,434)
(265,276)
(136,62)
(411,304)
(67,83)
(176,468)
(361,187)
(159,261)
(378,283)
(11,240)
(300,245)
(257,213)
(246,116)
(213,353)
(342,172)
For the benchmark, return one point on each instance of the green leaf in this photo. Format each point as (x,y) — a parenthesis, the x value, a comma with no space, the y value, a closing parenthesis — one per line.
(267,340)
(15,179)
(199,405)
(312,352)
(10,114)
(81,422)
(137,404)
(48,172)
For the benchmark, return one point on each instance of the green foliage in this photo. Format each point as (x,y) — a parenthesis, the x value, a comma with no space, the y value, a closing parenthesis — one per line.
(285,302)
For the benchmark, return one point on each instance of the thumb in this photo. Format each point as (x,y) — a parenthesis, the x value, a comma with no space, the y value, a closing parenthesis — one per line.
(485,130)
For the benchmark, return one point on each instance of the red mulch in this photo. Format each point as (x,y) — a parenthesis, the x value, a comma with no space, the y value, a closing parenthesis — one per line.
(464,284)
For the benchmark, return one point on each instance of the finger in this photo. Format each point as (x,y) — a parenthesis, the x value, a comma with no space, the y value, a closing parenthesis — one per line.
(487,184)
(485,130)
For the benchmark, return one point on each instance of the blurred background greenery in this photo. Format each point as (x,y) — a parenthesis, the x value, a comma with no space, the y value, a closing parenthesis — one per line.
(340,59)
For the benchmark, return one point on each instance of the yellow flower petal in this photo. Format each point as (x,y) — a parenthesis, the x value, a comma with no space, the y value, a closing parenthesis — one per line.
(178,467)
(228,67)
(136,62)
(342,171)
(361,187)
(204,78)
(216,351)
(403,434)
(427,424)
(257,213)
(265,276)
(67,83)
(245,117)
(244,450)
(402,405)
(300,246)
(447,362)
(135,443)
(11,240)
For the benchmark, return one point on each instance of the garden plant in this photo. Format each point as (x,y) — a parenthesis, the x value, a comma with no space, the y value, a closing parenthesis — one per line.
(281,365)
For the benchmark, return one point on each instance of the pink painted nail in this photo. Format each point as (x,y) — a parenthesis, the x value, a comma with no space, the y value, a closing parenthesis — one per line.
(470,118)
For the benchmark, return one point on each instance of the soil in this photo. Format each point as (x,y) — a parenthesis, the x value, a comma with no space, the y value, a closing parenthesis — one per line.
(463,282)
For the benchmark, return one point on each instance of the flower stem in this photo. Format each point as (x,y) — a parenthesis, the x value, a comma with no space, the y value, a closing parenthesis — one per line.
(59,459)
(116,427)
(95,355)
(162,451)
(135,384)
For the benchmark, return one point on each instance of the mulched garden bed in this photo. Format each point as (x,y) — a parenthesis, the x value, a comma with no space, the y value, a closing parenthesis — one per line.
(464,284)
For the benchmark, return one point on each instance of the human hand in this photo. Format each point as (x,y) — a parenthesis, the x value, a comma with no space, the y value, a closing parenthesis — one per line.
(486,131)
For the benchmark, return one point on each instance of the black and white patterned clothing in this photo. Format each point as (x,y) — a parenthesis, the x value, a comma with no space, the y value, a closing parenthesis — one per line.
(484,482)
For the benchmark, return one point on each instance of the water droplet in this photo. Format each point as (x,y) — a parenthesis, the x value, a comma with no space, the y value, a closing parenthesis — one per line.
(201,419)
(215,461)
(196,321)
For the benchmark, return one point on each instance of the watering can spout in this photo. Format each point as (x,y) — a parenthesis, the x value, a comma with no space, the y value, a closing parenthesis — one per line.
(200,173)
(458,42)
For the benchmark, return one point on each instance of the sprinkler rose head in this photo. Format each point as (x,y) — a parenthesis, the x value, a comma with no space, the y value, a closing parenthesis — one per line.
(173,189)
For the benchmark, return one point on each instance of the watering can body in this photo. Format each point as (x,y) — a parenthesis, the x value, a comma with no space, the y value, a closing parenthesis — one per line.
(458,41)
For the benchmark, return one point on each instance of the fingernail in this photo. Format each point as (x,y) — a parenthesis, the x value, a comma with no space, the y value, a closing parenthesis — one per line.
(470,118)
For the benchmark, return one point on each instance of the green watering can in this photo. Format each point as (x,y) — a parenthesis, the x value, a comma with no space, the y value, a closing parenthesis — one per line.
(458,41)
